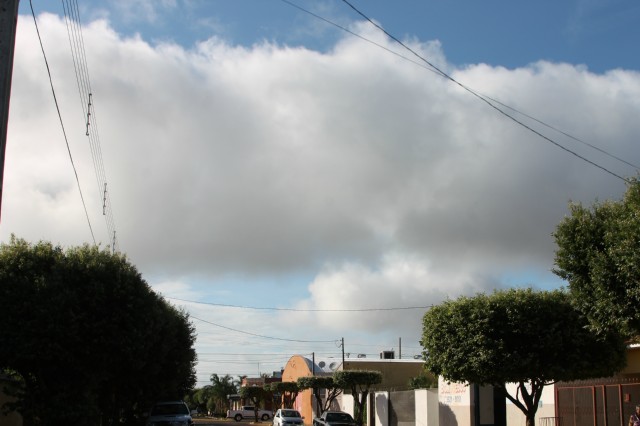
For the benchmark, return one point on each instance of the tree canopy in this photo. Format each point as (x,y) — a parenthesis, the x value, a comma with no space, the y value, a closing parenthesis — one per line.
(222,387)
(316,384)
(599,255)
(517,336)
(85,336)
(424,380)
(358,382)
(287,391)
(255,394)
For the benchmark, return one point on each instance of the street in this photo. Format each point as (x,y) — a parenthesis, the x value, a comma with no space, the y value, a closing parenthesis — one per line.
(227,422)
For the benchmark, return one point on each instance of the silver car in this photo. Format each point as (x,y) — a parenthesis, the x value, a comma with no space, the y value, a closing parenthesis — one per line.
(286,416)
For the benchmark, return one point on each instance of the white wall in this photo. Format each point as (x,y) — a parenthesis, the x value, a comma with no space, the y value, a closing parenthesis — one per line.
(546,407)
(346,403)
(427,407)
(454,404)
(456,408)
(382,408)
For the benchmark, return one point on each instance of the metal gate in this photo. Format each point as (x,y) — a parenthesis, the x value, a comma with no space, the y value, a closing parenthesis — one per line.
(597,403)
(402,408)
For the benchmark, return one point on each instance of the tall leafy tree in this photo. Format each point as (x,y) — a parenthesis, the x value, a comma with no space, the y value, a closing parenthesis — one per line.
(201,399)
(316,384)
(288,392)
(599,255)
(359,383)
(276,396)
(255,394)
(520,336)
(86,337)
(222,387)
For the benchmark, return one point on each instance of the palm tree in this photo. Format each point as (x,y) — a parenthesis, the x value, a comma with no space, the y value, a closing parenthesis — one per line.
(221,388)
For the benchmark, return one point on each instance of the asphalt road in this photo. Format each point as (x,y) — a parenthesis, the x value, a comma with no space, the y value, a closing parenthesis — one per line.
(227,422)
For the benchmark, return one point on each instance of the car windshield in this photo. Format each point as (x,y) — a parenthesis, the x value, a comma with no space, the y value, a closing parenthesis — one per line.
(290,413)
(164,409)
(339,417)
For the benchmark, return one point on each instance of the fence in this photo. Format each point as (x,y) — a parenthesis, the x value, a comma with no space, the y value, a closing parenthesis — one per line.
(596,404)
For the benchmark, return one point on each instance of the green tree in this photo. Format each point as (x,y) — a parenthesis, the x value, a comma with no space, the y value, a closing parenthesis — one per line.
(531,339)
(288,392)
(316,384)
(201,398)
(86,337)
(255,394)
(276,396)
(424,380)
(358,382)
(599,255)
(221,388)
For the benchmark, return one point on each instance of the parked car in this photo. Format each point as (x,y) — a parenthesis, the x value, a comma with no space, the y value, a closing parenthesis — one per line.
(175,413)
(285,416)
(248,412)
(334,418)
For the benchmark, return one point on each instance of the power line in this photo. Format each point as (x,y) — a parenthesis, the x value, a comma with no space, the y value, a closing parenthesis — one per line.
(261,335)
(602,151)
(246,354)
(87,101)
(482,98)
(488,100)
(55,99)
(301,310)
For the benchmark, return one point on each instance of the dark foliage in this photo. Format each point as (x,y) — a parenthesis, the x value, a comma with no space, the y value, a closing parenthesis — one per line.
(86,338)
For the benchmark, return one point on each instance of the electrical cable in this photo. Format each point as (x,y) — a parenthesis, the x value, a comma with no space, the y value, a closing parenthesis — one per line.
(261,335)
(484,98)
(602,151)
(448,77)
(301,310)
(55,99)
(87,101)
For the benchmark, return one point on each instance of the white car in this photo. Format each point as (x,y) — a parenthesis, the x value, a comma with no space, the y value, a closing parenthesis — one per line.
(287,417)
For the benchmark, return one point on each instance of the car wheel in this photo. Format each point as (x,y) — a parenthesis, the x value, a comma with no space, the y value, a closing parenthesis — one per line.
(238,417)
(265,417)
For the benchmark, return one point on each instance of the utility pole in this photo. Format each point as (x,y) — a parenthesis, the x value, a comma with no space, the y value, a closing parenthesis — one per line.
(8,23)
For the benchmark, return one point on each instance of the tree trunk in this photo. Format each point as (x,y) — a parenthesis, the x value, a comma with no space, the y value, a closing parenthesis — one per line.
(359,402)
(531,419)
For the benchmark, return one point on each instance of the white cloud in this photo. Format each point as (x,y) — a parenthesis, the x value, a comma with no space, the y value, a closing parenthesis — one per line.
(389,185)
(375,300)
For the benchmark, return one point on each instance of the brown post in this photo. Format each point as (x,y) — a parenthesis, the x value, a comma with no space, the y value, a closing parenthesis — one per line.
(620,404)
(604,405)
(8,23)
(593,403)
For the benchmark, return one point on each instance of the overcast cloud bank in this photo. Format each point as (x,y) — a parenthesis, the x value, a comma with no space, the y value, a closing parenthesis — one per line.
(378,181)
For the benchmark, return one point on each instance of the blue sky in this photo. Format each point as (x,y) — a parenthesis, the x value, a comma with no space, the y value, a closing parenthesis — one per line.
(288,183)
(599,34)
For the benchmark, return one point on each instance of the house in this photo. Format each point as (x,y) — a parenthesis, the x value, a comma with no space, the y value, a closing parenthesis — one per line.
(475,405)
(396,374)
(235,401)
(607,401)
